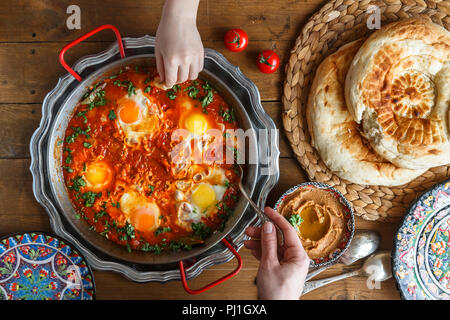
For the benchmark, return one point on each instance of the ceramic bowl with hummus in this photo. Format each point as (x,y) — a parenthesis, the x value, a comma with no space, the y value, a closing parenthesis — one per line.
(323,219)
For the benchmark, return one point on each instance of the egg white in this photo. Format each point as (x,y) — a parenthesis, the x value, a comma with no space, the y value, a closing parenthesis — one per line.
(131,201)
(190,212)
(147,122)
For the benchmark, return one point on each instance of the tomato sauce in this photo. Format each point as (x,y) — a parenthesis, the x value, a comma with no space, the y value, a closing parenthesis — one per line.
(115,165)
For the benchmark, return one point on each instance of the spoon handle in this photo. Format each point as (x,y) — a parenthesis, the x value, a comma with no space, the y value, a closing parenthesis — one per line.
(262,216)
(312,285)
(314,273)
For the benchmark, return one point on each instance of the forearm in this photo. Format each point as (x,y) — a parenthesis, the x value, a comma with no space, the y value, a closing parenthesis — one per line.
(185,10)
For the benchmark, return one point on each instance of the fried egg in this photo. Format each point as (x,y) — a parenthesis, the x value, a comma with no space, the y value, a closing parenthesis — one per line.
(140,212)
(98,175)
(198,201)
(206,195)
(138,116)
(192,117)
(201,137)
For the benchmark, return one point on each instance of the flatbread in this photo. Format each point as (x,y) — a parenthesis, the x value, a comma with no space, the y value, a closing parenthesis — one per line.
(398,89)
(335,134)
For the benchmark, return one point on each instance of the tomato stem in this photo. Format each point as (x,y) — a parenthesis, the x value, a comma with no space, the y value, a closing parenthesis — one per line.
(236,40)
(266,60)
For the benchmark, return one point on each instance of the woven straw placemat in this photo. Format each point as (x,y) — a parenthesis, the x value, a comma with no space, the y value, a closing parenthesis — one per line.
(339,22)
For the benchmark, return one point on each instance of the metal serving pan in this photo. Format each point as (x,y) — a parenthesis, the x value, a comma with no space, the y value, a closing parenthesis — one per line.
(50,191)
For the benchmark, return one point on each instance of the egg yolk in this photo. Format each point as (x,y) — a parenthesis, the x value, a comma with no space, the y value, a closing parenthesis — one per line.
(129,111)
(144,218)
(196,124)
(204,196)
(98,174)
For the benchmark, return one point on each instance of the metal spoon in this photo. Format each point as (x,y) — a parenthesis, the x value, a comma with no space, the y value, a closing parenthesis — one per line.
(377,266)
(364,243)
(261,214)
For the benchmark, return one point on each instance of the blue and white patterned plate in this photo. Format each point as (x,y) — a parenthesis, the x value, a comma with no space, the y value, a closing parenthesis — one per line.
(421,253)
(38,266)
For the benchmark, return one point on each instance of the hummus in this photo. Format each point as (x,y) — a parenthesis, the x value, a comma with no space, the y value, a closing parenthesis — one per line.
(318,218)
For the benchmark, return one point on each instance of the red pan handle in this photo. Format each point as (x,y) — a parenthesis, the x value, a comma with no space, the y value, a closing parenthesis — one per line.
(84,37)
(215,283)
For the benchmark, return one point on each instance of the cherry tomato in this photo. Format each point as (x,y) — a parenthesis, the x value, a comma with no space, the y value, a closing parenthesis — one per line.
(236,40)
(268,61)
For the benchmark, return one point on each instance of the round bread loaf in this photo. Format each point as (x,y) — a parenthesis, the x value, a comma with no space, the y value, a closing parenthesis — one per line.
(398,88)
(335,134)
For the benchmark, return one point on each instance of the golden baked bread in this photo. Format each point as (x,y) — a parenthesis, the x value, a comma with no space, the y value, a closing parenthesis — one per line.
(335,134)
(398,88)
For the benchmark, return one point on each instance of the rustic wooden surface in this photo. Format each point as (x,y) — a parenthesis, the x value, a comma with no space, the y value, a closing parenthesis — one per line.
(32,33)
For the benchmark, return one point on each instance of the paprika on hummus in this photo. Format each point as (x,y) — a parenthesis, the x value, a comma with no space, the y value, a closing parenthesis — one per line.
(318,218)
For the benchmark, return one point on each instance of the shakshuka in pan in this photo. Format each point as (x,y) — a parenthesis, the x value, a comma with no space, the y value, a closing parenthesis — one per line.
(122,167)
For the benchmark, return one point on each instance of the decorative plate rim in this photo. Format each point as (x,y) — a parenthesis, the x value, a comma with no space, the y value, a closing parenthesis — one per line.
(396,242)
(74,248)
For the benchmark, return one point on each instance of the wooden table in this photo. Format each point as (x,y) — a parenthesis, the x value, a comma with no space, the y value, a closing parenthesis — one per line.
(32,33)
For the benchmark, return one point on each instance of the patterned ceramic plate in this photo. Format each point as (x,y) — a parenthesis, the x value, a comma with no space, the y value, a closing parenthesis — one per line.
(421,254)
(38,266)
(348,216)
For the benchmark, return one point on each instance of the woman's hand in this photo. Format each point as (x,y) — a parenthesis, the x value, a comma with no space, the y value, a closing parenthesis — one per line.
(178,49)
(282,270)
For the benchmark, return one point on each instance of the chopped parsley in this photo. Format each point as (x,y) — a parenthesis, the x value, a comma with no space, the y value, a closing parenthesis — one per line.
(99,100)
(126,84)
(161,230)
(208,98)
(112,115)
(71,138)
(151,189)
(131,89)
(192,91)
(227,115)
(99,214)
(147,89)
(69,159)
(90,197)
(106,230)
(68,169)
(177,245)
(117,205)
(77,131)
(147,247)
(201,230)
(77,182)
(82,114)
(171,95)
(87,145)
(127,230)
